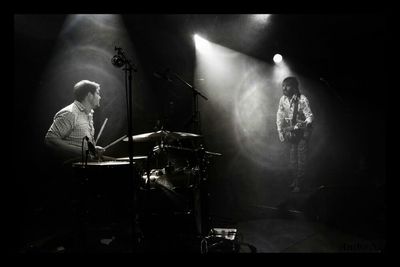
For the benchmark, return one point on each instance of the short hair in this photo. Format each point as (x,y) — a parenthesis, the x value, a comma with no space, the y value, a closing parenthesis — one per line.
(82,88)
(291,81)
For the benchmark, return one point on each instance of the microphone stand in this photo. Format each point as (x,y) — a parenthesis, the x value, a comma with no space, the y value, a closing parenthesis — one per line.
(120,60)
(202,183)
(333,90)
(83,158)
(195,120)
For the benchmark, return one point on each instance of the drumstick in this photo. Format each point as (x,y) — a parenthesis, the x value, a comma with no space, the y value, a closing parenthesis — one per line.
(101,130)
(116,141)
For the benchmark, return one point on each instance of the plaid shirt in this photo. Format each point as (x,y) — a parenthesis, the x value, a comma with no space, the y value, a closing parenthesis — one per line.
(72,124)
(286,108)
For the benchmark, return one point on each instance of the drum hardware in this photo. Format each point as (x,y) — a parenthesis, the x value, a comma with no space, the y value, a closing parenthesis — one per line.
(174,176)
(209,153)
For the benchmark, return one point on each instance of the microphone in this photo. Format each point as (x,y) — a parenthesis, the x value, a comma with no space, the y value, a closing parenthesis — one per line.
(163,75)
(119,59)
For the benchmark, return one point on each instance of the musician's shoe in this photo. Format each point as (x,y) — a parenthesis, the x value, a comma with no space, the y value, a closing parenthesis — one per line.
(296,189)
(294,183)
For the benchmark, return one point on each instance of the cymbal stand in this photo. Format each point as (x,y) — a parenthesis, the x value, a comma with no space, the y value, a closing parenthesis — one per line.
(195,119)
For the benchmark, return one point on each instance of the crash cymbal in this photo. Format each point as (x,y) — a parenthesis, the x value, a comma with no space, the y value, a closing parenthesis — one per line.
(212,153)
(161,135)
(153,136)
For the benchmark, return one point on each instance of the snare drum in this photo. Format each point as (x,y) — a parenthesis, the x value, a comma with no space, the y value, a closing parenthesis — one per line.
(105,169)
(106,174)
(101,164)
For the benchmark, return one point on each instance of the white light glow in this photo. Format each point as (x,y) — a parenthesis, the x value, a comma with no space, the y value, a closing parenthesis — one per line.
(261,18)
(281,71)
(243,100)
(202,45)
(277,58)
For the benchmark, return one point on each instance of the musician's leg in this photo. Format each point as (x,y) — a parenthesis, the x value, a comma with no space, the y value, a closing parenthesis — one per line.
(293,164)
(302,153)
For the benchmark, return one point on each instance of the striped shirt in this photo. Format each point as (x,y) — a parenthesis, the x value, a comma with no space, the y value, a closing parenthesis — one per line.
(72,124)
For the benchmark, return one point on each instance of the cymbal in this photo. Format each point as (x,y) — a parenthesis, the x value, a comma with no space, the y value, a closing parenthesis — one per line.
(134,158)
(186,135)
(212,153)
(161,135)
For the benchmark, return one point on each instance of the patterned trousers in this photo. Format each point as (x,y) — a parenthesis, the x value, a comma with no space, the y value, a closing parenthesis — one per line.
(298,158)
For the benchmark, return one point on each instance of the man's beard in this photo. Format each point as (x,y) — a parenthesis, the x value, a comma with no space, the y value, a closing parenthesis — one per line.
(95,105)
(288,93)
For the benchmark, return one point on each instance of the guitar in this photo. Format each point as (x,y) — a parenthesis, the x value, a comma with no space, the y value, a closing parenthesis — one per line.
(293,133)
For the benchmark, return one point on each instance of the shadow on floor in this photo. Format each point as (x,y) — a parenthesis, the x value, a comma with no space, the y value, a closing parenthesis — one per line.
(323,219)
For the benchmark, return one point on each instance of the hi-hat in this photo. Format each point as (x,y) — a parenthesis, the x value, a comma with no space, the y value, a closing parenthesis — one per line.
(161,135)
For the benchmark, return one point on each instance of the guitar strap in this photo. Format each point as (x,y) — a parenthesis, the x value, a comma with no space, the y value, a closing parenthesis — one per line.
(295,111)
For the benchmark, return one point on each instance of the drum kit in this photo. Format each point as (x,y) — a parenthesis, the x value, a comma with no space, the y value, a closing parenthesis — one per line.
(176,167)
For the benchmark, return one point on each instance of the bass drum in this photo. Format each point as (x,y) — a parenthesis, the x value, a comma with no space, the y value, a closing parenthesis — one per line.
(105,191)
(171,202)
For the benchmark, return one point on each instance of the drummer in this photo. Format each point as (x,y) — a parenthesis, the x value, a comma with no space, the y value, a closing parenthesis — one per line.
(72,130)
(67,140)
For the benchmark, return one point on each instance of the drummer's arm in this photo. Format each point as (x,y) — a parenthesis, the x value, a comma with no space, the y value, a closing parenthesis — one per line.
(62,126)
(61,146)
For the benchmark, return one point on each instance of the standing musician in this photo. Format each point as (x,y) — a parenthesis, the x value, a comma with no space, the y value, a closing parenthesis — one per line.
(294,119)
